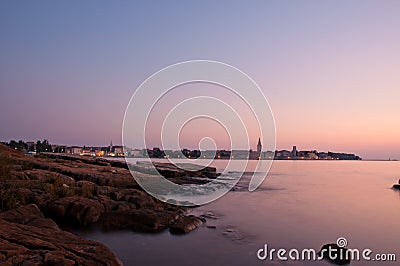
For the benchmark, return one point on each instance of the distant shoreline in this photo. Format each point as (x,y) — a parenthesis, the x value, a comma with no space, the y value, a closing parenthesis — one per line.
(223,159)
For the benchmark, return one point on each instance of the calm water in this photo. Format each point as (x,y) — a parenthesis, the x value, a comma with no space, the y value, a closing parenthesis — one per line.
(301,204)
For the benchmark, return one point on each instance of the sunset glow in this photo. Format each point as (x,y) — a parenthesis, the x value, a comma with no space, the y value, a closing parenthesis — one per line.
(330,71)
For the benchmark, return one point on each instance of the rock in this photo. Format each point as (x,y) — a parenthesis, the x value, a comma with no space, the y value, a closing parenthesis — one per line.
(336,252)
(78,210)
(27,239)
(30,215)
(172,201)
(120,194)
(57,258)
(181,173)
(105,190)
(141,201)
(201,218)
(108,204)
(80,190)
(124,206)
(88,189)
(22,215)
(39,197)
(209,215)
(142,220)
(48,176)
(396,186)
(31,245)
(185,224)
(212,175)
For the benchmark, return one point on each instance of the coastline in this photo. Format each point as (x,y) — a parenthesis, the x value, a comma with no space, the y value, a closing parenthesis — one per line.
(41,194)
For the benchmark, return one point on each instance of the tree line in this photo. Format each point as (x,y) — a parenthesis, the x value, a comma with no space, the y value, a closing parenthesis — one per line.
(39,146)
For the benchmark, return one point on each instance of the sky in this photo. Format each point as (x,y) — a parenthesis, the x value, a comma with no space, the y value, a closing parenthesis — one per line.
(329,69)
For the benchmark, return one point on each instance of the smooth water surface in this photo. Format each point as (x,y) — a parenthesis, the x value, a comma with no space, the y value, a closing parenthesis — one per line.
(301,204)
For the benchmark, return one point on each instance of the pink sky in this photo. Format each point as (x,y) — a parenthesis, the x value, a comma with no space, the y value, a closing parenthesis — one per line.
(330,70)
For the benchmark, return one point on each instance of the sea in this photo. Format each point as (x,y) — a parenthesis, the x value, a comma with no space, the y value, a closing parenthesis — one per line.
(301,205)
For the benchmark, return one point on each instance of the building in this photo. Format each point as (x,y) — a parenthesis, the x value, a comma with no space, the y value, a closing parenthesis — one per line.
(256,155)
(283,154)
(74,150)
(137,153)
(240,154)
(59,148)
(31,146)
(259,146)
(118,150)
(294,151)
(267,155)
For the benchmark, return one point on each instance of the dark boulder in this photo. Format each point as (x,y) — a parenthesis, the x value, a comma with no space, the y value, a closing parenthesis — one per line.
(29,215)
(142,220)
(27,238)
(185,224)
(335,254)
(78,210)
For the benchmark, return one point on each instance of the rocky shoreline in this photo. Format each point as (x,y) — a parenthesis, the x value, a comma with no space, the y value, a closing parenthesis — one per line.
(39,193)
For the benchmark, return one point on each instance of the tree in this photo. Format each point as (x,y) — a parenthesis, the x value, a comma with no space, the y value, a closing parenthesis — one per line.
(46,147)
(20,145)
(38,146)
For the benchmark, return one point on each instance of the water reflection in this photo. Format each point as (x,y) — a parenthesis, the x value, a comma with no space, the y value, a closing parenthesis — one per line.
(301,204)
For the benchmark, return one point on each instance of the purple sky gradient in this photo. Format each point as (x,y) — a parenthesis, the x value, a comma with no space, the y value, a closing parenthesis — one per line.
(330,69)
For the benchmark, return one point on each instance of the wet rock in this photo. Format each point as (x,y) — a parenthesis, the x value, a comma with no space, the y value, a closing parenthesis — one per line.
(78,210)
(234,234)
(87,188)
(143,220)
(177,173)
(57,258)
(27,239)
(211,175)
(209,215)
(108,204)
(29,215)
(122,193)
(124,206)
(78,189)
(185,224)
(172,201)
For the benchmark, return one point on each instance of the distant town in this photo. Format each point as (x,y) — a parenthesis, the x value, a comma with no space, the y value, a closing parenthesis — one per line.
(32,148)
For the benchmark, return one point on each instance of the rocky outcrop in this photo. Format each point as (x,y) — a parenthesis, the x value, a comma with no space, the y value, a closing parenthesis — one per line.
(28,215)
(36,191)
(185,224)
(177,173)
(27,238)
(77,210)
(142,220)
